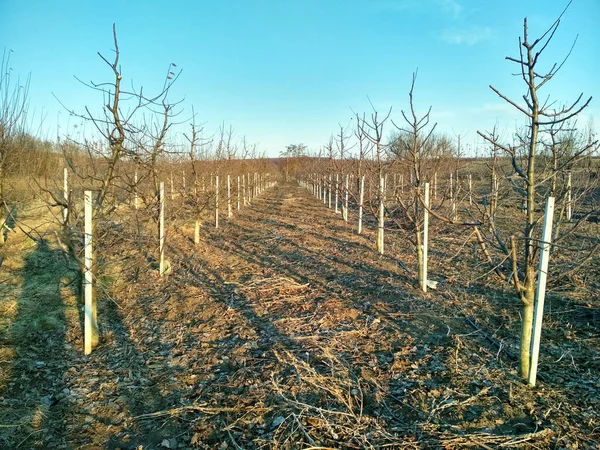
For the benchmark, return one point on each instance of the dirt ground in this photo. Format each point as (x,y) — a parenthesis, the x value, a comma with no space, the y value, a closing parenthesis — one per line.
(284,329)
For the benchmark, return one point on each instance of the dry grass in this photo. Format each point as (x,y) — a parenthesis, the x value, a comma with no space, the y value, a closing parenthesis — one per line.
(284,329)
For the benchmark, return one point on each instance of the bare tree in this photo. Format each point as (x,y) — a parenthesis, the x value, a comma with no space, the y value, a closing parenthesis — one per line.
(13,109)
(540,116)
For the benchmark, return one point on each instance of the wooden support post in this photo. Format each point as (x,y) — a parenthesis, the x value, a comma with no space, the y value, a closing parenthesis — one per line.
(540,291)
(161,229)
(90,321)
(361,197)
(425,240)
(183,179)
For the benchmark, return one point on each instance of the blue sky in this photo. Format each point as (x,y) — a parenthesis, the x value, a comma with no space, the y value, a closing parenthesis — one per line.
(282,72)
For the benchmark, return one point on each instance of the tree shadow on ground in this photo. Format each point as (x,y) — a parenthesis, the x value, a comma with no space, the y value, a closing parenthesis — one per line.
(33,402)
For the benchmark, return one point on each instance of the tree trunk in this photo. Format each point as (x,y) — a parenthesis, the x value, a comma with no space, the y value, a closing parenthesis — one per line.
(527,297)
(197,230)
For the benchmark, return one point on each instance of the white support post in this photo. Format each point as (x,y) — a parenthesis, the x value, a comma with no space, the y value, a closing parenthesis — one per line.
(65,194)
(172,188)
(135,190)
(425,240)
(361,197)
(452,202)
(255,185)
(540,291)
(161,229)
(435,185)
(90,321)
(569,198)
(249,189)
(238,192)
(337,188)
(329,191)
(346,199)
(470,190)
(183,180)
(380,228)
(228,196)
(217,201)
(244,190)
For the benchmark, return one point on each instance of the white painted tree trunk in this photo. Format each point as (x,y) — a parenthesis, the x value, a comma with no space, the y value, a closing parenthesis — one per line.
(435,185)
(183,181)
(540,291)
(161,229)
(90,321)
(385,188)
(361,197)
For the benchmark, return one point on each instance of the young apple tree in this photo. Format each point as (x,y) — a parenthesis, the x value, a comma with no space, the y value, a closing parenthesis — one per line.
(529,181)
